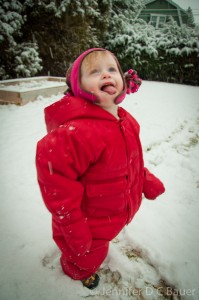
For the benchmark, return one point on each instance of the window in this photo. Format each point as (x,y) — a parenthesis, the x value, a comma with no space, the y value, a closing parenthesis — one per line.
(157,20)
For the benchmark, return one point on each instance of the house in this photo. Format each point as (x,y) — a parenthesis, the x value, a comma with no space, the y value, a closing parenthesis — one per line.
(158,12)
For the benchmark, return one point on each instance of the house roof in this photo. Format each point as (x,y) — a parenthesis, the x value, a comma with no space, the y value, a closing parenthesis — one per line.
(169,1)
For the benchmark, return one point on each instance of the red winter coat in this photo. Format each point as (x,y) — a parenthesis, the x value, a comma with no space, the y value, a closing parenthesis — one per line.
(91,175)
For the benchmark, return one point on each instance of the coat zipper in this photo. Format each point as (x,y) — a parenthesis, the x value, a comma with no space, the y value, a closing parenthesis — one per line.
(127,176)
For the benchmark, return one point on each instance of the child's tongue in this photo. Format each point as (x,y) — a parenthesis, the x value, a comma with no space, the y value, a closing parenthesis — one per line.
(109,89)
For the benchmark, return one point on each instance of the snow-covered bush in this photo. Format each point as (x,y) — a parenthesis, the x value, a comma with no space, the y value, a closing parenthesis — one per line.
(168,54)
(63,29)
(180,48)
(27,61)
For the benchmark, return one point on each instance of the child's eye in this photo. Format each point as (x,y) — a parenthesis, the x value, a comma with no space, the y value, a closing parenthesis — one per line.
(94,71)
(112,69)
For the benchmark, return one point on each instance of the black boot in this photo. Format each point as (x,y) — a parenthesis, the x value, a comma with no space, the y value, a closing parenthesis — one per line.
(91,282)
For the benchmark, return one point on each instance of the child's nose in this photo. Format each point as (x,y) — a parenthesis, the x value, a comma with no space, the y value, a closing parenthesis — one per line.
(106,74)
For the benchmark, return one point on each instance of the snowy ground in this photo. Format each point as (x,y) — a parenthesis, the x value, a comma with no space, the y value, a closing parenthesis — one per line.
(161,243)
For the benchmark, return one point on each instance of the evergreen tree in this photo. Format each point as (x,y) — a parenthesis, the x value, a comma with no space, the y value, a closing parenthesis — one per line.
(12,49)
(191,22)
(65,28)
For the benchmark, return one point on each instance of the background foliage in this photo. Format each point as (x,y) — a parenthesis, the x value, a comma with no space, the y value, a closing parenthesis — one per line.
(43,37)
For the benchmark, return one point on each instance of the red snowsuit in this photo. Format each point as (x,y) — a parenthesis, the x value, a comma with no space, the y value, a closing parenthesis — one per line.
(91,175)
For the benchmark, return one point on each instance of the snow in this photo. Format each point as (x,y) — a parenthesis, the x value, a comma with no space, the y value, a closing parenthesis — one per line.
(160,243)
(26,85)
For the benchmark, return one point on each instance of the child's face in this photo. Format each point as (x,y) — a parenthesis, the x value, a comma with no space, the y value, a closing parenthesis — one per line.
(100,76)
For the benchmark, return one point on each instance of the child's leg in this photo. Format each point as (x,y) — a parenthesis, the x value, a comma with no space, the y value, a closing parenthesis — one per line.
(82,267)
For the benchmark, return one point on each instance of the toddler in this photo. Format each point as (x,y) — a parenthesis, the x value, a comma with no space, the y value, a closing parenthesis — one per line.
(90,165)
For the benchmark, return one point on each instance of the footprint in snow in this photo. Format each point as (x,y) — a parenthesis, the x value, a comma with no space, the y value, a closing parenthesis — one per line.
(51,261)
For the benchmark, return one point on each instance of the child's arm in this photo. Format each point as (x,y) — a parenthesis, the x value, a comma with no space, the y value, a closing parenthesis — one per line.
(152,186)
(61,158)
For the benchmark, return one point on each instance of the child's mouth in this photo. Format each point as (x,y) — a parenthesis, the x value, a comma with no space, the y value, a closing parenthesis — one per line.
(109,88)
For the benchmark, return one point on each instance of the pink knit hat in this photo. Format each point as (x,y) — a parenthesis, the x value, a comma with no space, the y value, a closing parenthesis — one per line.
(73,78)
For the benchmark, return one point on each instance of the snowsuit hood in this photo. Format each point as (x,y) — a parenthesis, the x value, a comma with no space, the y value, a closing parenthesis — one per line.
(73,78)
(71,108)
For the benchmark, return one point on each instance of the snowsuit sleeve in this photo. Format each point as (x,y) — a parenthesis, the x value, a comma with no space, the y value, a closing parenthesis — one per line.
(61,158)
(152,186)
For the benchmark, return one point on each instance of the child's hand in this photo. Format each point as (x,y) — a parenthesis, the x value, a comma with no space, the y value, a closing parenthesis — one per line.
(152,187)
(133,82)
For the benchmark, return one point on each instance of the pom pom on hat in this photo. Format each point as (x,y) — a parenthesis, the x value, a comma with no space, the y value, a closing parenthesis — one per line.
(133,82)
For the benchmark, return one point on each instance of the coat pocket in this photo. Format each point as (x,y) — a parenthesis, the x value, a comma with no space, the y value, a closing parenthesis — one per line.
(98,189)
(105,198)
